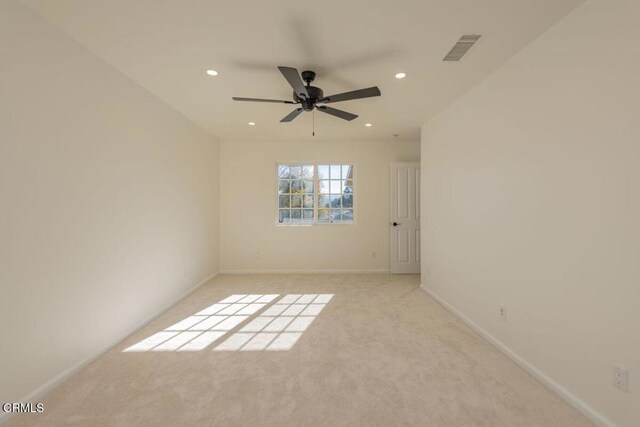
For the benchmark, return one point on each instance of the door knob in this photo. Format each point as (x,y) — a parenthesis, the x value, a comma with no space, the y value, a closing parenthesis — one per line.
(395,224)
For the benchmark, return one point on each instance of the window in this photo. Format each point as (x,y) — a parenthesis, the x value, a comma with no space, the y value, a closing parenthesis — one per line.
(296,199)
(335,194)
(315,194)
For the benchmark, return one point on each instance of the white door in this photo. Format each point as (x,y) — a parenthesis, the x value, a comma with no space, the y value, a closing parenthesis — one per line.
(405,218)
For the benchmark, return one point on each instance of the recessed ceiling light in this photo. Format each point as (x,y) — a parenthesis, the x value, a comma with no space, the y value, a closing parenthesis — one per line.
(368,125)
(401,75)
(212,72)
(252,123)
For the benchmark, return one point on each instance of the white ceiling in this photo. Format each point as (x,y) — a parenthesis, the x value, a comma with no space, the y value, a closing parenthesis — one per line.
(167,45)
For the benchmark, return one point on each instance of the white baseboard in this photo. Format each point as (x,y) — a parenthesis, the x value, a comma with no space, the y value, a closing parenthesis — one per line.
(327,271)
(565,394)
(35,395)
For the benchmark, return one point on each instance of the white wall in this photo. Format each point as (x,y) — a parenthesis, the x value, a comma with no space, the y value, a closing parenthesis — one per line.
(531,198)
(248,207)
(108,203)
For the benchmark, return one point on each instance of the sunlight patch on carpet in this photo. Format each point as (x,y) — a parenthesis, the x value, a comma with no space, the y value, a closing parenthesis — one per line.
(250,323)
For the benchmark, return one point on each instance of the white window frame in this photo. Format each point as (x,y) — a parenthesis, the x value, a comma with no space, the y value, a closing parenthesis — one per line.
(316,194)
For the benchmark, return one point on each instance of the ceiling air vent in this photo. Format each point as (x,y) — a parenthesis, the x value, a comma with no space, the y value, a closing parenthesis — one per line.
(461,47)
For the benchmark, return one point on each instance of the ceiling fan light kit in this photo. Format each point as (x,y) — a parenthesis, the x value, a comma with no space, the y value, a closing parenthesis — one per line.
(308,97)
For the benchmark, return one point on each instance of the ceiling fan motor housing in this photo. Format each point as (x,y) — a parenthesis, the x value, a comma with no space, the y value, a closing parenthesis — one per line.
(315,93)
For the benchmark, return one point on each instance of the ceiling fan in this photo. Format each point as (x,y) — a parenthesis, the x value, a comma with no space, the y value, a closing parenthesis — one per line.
(308,97)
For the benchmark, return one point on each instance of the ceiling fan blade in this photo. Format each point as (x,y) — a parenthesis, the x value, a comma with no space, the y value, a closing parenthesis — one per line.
(338,113)
(277,101)
(355,94)
(293,77)
(292,115)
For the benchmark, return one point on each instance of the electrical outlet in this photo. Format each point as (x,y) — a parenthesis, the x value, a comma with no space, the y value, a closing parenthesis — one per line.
(621,379)
(502,312)
(373,254)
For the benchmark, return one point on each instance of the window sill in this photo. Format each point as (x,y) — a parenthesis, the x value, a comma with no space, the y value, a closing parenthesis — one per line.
(315,224)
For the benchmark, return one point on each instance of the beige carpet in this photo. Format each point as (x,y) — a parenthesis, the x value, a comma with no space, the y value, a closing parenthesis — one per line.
(379,353)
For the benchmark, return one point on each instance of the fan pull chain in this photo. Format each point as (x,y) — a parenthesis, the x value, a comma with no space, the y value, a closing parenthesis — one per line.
(313,120)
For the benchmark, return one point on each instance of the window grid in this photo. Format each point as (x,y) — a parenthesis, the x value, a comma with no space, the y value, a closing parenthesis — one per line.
(311,194)
(296,193)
